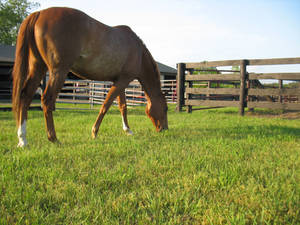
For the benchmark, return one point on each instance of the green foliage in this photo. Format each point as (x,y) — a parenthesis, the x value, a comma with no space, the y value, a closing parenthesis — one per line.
(236,69)
(210,167)
(12,13)
(206,70)
(291,85)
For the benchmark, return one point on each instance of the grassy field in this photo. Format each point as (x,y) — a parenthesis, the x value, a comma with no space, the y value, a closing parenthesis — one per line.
(210,167)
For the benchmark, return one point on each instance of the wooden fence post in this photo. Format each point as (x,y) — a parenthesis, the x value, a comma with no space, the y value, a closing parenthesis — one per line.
(180,86)
(243,68)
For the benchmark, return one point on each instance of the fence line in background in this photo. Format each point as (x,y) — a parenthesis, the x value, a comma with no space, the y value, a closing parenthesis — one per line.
(245,89)
(94,92)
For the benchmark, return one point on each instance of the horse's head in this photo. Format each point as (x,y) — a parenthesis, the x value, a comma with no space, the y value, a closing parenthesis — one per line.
(157,112)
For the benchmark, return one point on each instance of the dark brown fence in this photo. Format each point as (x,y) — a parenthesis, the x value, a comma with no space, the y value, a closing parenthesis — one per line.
(203,84)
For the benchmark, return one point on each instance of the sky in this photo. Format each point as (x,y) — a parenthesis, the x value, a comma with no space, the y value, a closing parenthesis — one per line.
(202,30)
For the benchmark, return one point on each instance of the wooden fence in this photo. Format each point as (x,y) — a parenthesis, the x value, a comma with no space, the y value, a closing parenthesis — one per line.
(235,87)
(94,92)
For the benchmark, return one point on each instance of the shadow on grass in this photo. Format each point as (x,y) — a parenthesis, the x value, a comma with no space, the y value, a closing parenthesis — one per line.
(244,132)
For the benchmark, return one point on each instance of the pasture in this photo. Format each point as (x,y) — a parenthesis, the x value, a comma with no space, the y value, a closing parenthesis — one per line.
(210,167)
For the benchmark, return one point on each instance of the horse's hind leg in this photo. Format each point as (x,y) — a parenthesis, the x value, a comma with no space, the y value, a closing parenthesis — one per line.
(123,110)
(56,81)
(36,73)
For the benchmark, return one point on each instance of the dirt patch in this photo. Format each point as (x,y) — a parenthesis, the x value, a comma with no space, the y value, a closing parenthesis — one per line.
(290,115)
(282,115)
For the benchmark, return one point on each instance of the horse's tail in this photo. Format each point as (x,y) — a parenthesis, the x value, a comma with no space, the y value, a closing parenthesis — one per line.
(25,41)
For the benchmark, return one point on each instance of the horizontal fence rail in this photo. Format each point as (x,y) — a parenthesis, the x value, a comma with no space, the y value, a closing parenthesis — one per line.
(94,92)
(203,84)
(5,91)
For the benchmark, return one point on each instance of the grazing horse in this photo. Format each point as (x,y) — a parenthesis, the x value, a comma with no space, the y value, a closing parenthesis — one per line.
(60,40)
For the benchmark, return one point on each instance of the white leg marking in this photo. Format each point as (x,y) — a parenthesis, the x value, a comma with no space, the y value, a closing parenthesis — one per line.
(126,129)
(22,135)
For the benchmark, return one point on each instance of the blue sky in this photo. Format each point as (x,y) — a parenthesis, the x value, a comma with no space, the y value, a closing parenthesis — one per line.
(197,30)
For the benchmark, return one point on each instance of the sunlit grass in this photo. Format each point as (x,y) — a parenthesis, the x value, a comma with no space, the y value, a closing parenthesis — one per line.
(210,167)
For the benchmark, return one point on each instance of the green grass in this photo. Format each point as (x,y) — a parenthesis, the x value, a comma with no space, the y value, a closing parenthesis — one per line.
(210,167)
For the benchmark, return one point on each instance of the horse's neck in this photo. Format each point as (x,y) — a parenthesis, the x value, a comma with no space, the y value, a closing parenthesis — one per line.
(150,77)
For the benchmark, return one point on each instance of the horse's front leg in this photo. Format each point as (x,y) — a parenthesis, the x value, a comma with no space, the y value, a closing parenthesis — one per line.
(123,110)
(114,91)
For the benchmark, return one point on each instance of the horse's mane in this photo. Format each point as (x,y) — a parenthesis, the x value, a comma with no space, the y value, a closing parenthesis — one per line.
(154,64)
(149,55)
(146,51)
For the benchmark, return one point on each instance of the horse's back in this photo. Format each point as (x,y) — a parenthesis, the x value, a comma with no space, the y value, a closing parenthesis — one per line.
(90,48)
(58,19)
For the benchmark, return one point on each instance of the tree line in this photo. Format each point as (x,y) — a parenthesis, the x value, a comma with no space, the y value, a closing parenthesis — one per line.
(12,13)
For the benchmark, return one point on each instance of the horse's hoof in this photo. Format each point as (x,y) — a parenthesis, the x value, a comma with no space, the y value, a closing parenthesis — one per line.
(22,144)
(128,132)
(57,142)
(94,133)
(94,136)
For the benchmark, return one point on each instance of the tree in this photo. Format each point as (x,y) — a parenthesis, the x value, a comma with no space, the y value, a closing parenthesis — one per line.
(12,13)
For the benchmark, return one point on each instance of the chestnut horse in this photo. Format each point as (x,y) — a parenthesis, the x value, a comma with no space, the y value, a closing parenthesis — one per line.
(60,40)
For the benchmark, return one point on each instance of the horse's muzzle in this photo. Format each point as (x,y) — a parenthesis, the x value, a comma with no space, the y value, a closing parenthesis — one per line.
(160,129)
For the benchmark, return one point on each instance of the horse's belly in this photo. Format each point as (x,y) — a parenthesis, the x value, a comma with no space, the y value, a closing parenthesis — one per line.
(107,59)
(98,68)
